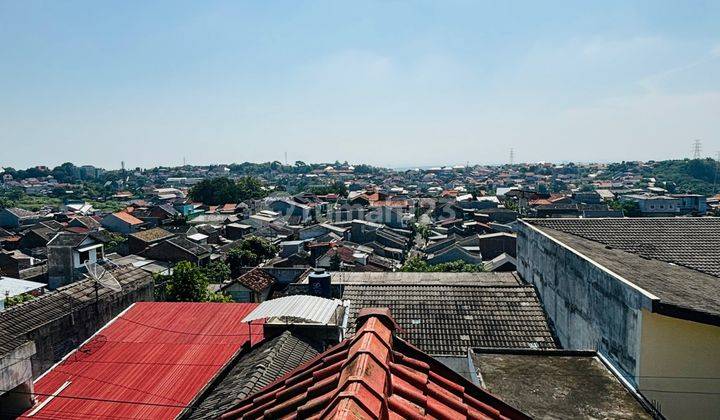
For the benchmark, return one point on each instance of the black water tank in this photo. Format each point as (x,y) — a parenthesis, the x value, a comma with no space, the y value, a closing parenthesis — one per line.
(319,282)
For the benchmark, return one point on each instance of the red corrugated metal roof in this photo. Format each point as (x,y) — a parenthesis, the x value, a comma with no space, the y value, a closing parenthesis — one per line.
(150,362)
(374,375)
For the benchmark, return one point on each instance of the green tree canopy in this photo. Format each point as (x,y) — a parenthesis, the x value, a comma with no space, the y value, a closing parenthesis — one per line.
(187,283)
(217,272)
(249,253)
(417,264)
(223,190)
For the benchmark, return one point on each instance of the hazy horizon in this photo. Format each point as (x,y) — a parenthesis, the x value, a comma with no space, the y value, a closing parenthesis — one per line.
(393,84)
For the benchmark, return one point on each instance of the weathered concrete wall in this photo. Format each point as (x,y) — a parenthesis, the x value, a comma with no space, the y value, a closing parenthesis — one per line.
(56,339)
(588,307)
(60,266)
(15,366)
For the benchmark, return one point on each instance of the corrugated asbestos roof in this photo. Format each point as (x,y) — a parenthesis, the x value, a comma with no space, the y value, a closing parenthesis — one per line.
(690,242)
(446,319)
(399,277)
(305,308)
(151,362)
(374,375)
(260,367)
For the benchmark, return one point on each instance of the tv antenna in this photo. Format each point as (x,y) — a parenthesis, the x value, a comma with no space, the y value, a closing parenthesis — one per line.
(697,148)
(101,277)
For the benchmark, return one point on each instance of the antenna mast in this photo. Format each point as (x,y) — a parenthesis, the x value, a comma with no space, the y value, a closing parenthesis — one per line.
(512,156)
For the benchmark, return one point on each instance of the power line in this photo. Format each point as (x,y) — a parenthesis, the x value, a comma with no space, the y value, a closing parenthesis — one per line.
(195,334)
(76,397)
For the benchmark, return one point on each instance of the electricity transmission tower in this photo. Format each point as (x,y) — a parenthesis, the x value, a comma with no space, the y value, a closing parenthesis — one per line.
(697,148)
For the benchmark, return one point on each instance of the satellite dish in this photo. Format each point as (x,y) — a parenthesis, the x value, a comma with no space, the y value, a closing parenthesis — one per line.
(102,277)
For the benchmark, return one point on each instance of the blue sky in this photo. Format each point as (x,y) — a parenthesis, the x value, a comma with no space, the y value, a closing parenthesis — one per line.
(389,82)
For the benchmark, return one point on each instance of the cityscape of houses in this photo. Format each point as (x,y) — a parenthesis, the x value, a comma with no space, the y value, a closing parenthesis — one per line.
(349,291)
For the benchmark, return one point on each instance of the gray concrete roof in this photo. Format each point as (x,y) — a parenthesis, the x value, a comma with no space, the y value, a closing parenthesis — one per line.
(557,385)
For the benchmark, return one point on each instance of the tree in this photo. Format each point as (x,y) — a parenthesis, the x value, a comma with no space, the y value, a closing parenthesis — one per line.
(65,173)
(238,258)
(629,208)
(218,297)
(116,243)
(187,283)
(337,187)
(250,188)
(335,262)
(217,272)
(249,253)
(260,247)
(223,190)
(17,299)
(417,264)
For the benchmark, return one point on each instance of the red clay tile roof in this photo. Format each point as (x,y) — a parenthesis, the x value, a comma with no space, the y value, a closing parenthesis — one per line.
(391,203)
(128,218)
(256,280)
(540,202)
(228,208)
(373,197)
(77,229)
(346,254)
(373,375)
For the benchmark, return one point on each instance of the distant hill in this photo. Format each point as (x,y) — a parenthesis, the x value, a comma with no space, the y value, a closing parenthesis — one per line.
(687,176)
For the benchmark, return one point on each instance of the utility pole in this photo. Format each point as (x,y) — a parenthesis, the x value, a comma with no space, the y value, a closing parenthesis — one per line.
(717,165)
(697,148)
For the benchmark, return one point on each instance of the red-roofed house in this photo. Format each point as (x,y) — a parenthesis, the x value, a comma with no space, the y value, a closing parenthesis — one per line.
(122,222)
(151,362)
(373,375)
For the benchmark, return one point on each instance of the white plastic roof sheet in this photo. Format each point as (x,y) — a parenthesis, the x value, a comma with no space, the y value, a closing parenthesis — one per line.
(303,308)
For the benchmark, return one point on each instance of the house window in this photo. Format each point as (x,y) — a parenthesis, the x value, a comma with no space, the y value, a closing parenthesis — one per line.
(84,256)
(652,206)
